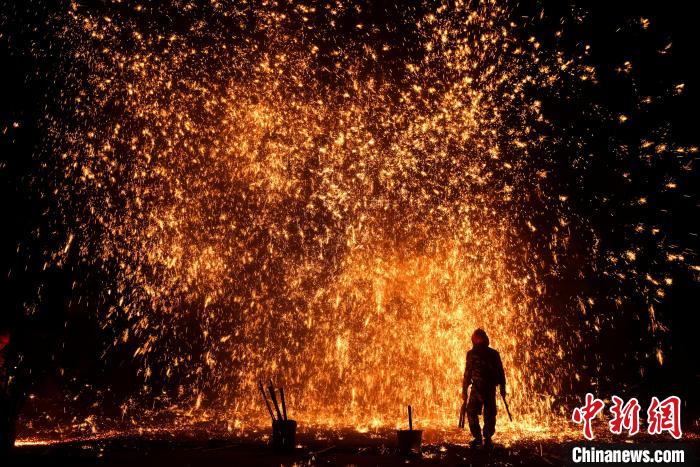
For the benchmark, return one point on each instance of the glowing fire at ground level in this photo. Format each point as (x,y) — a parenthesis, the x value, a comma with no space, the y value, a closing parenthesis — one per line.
(508,433)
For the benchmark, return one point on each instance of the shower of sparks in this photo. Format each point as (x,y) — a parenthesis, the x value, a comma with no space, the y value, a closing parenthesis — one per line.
(263,200)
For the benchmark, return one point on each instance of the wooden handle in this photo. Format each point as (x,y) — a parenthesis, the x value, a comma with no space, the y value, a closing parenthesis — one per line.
(271,388)
(267,404)
(410,419)
(284,404)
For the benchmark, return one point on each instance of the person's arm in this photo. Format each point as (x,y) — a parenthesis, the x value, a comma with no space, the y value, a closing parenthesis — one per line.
(501,376)
(467,378)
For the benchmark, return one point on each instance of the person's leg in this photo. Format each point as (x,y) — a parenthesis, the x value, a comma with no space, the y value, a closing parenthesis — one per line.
(489,414)
(474,407)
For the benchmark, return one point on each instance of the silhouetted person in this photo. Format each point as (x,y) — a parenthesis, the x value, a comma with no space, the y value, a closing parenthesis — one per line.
(483,371)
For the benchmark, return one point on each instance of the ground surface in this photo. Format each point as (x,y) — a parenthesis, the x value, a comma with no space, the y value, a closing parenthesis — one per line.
(314,448)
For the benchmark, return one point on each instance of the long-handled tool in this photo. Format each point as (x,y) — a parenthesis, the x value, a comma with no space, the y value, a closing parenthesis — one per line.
(267,404)
(463,411)
(462,414)
(271,388)
(284,404)
(410,418)
(507,409)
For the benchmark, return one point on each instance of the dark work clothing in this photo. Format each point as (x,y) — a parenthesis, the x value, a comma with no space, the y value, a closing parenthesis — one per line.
(483,372)
(483,369)
(478,400)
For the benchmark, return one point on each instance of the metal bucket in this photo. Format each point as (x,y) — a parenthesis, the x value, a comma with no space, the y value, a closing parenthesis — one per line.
(284,434)
(409,442)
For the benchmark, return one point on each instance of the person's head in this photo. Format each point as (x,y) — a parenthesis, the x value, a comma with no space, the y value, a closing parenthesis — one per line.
(479,338)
